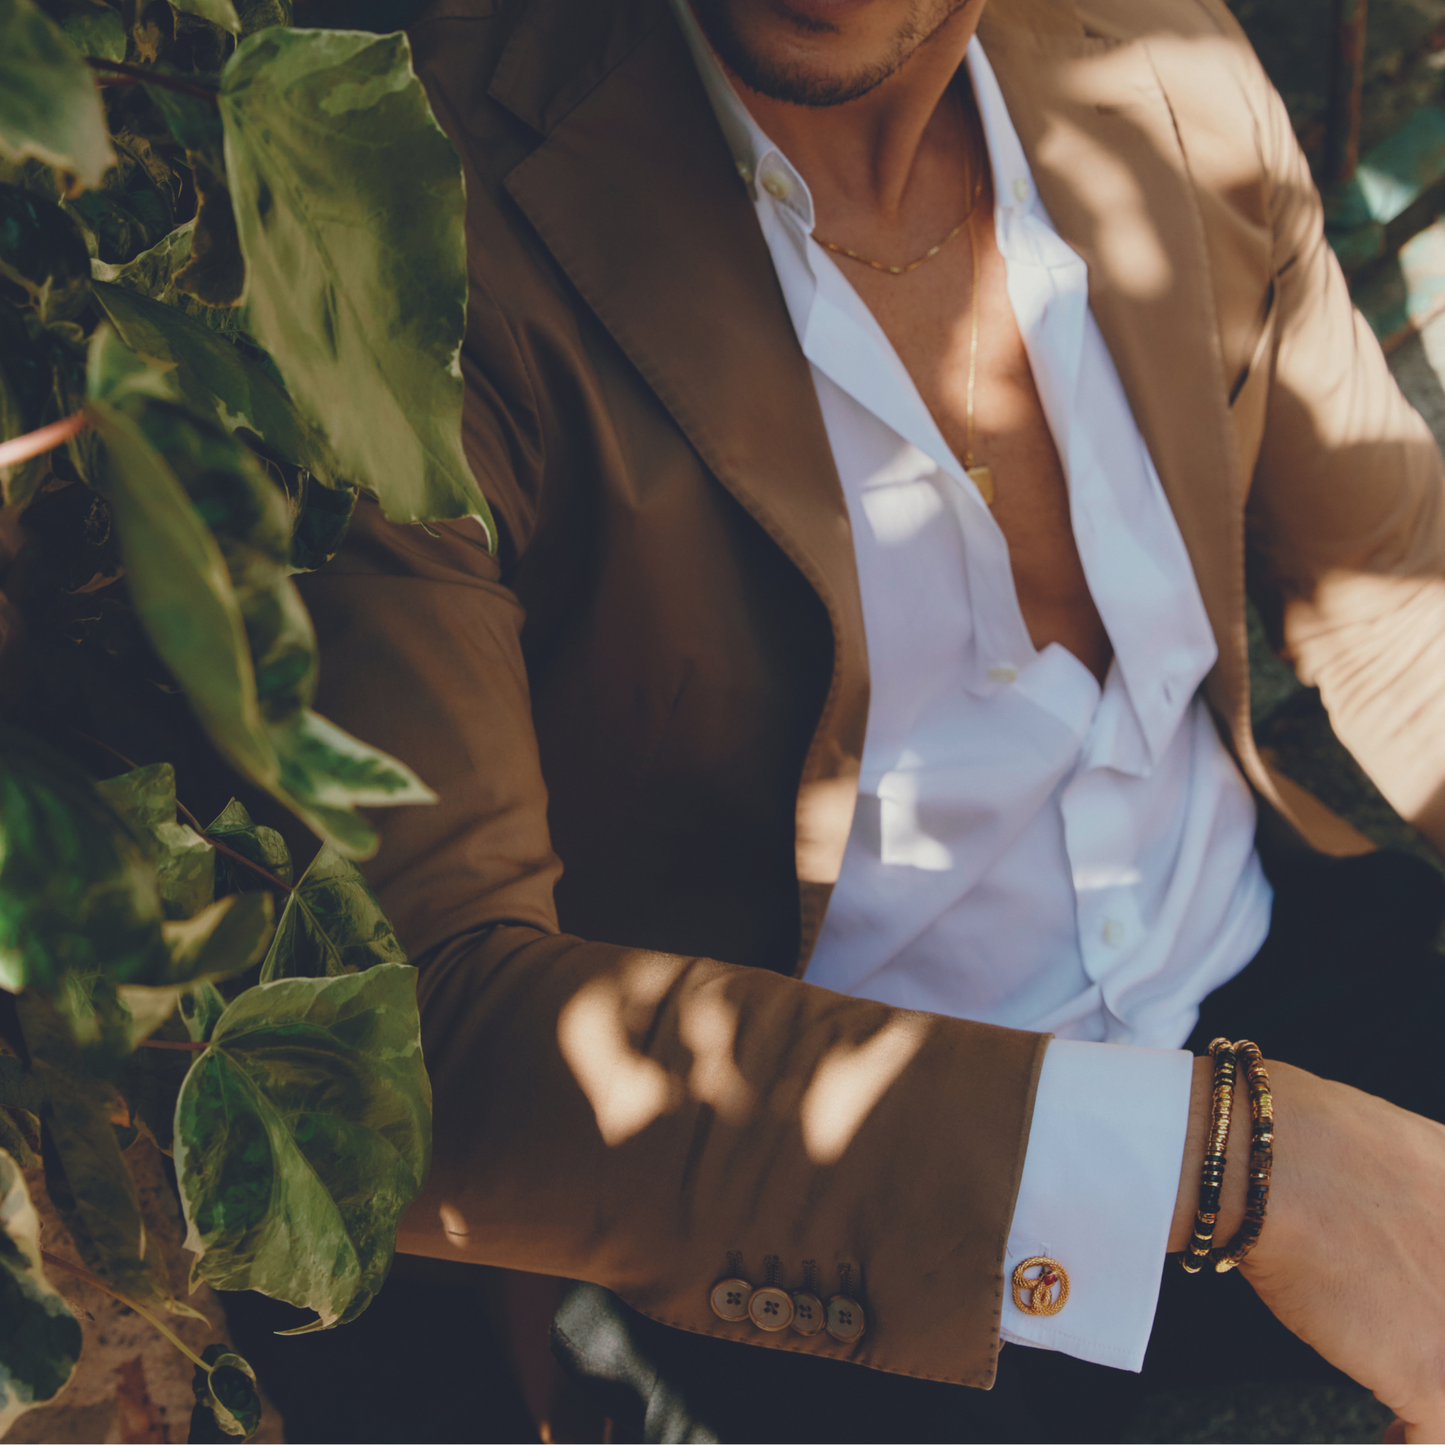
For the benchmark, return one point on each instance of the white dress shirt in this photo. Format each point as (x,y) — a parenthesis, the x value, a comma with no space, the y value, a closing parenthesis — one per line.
(1029,848)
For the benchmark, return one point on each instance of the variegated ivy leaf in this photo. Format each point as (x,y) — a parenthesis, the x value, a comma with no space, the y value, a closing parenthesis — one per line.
(213,376)
(185,862)
(85,1175)
(205,539)
(49,105)
(302,1135)
(331,924)
(77,895)
(368,343)
(39,1337)
(218,12)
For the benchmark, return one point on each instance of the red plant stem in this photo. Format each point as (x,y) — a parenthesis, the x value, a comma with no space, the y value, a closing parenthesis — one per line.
(143,75)
(278,883)
(46,439)
(188,1045)
(231,853)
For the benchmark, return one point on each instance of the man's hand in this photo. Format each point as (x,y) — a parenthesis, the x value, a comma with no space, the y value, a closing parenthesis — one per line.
(1353,1248)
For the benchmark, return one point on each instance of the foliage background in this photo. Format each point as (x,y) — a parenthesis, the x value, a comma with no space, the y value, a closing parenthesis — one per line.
(232,292)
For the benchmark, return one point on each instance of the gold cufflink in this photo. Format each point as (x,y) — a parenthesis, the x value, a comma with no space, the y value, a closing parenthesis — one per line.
(1035,1295)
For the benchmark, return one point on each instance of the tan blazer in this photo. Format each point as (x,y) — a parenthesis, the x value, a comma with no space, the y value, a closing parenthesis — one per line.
(661,681)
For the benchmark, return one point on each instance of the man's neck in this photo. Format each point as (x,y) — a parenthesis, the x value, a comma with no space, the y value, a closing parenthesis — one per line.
(869,155)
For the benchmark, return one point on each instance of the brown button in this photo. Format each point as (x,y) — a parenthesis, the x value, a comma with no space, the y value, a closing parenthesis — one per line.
(729,1299)
(808,1312)
(771,1308)
(845,1319)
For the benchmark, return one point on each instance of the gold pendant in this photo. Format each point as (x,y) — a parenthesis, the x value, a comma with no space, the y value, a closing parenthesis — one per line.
(982,478)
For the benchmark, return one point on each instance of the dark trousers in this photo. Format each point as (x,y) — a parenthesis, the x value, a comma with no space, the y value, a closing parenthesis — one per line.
(1348,985)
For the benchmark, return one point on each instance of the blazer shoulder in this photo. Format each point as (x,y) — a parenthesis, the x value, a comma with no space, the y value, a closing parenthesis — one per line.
(457,47)
(1200,20)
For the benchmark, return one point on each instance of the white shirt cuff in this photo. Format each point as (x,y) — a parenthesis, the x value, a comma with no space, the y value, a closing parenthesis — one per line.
(1099,1184)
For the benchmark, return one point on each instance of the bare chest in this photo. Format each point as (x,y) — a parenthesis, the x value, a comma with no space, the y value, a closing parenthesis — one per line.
(927,316)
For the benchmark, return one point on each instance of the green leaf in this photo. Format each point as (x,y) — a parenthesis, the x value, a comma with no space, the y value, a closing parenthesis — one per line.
(39,1337)
(85,1175)
(95,29)
(18,1089)
(185,862)
(150,1079)
(258,14)
(218,12)
(122,224)
(153,274)
(221,941)
(349,203)
(205,539)
(49,104)
(302,1134)
(263,846)
(215,271)
(213,376)
(326,773)
(331,925)
(182,590)
(228,1400)
(20,1139)
(322,519)
(77,897)
(43,252)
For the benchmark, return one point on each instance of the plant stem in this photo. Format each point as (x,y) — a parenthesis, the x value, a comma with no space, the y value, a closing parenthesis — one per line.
(231,853)
(45,439)
(143,75)
(95,1282)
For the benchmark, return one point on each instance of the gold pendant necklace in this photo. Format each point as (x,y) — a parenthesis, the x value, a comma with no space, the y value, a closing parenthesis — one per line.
(980,476)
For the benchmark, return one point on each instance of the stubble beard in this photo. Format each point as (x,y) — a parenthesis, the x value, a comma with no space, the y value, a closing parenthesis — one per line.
(796,86)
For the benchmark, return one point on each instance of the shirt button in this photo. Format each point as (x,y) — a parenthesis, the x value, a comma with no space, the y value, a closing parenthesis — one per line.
(1021,188)
(779,187)
(745,171)
(771,1308)
(729,1299)
(1113,932)
(1004,672)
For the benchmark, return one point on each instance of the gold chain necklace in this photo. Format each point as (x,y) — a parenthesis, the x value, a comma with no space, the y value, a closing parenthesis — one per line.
(976,166)
(980,476)
(912,266)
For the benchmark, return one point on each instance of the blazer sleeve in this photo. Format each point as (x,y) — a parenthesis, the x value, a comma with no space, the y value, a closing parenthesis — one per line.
(1347,510)
(622,1116)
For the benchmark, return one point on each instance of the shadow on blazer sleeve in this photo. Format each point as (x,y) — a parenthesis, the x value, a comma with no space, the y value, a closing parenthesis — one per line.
(1347,509)
(627,1117)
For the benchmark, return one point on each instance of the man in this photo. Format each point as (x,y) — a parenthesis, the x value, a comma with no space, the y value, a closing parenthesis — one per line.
(1005,340)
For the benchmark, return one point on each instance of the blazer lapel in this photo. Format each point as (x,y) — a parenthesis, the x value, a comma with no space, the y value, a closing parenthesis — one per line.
(634,193)
(1104,149)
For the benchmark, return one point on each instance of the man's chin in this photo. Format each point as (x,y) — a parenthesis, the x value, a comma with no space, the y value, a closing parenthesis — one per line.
(818,53)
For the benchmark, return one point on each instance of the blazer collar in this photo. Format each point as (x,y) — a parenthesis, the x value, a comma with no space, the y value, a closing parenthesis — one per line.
(634,192)
(1105,152)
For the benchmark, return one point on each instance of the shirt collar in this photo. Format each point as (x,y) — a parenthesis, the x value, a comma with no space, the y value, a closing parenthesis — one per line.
(763,166)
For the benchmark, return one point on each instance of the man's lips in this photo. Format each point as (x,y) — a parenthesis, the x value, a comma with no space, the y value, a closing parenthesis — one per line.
(822,12)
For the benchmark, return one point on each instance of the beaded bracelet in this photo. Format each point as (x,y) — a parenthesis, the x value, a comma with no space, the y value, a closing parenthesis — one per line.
(1211,1173)
(1261,1159)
